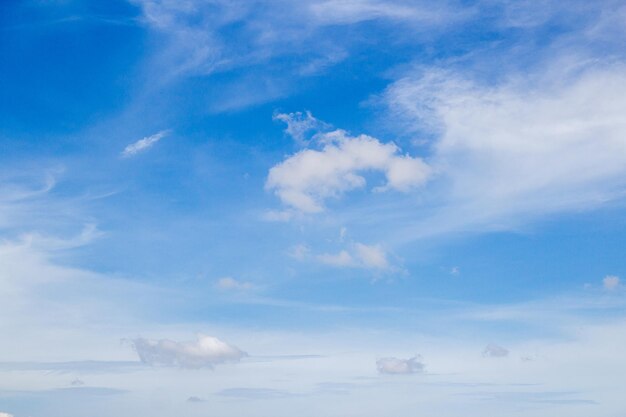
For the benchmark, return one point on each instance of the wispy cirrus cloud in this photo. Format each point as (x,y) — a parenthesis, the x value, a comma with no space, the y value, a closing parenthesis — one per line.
(519,149)
(261,31)
(230,283)
(142,145)
(302,127)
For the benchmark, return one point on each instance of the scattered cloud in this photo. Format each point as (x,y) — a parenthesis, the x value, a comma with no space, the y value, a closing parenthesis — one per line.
(206,351)
(5,414)
(455,270)
(306,179)
(77,382)
(356,255)
(194,399)
(371,256)
(343,258)
(611,282)
(302,127)
(299,252)
(494,351)
(144,144)
(395,366)
(279,215)
(229,283)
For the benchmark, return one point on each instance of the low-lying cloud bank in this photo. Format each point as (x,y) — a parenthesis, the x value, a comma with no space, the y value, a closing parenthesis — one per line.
(396,366)
(205,352)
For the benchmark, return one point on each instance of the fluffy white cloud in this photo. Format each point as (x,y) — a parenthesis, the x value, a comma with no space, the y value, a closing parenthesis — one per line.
(5,414)
(611,282)
(524,147)
(206,351)
(229,283)
(305,180)
(143,144)
(397,366)
(495,351)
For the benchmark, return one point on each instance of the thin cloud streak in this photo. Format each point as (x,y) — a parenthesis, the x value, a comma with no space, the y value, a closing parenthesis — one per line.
(142,145)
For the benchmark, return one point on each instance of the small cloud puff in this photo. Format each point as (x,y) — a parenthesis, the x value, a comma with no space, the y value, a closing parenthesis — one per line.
(5,414)
(611,282)
(77,383)
(194,399)
(205,352)
(143,144)
(396,366)
(229,283)
(302,127)
(494,351)
(359,255)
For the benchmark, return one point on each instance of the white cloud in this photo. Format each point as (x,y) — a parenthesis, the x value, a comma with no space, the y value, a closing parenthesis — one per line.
(495,351)
(5,414)
(301,126)
(343,258)
(371,256)
(206,351)
(357,255)
(355,11)
(611,282)
(305,180)
(299,252)
(395,366)
(144,144)
(229,283)
(260,31)
(529,146)
(280,215)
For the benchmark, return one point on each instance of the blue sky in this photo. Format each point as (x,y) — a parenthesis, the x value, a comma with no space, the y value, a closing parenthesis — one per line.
(329,208)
